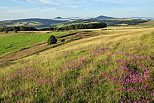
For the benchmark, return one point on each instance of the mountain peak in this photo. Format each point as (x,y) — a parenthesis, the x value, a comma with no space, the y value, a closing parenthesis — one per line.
(58,18)
(104,17)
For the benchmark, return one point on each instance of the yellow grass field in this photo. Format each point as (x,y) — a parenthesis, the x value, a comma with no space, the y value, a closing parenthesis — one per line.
(114,66)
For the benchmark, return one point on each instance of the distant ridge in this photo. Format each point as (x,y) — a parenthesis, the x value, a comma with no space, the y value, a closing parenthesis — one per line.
(37,22)
(58,18)
(143,18)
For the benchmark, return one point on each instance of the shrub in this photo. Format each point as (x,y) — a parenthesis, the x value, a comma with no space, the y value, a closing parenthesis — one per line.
(16,31)
(62,40)
(6,31)
(52,40)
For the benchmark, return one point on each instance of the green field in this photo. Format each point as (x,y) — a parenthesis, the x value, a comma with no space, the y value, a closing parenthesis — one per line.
(26,24)
(116,66)
(13,42)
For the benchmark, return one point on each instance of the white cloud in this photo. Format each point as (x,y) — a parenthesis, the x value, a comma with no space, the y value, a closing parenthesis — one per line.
(47,9)
(51,2)
(62,2)
(17,11)
(45,1)
(2,7)
(127,1)
(73,6)
(43,9)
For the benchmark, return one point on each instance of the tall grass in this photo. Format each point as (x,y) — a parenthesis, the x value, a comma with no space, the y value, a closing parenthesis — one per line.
(13,42)
(108,69)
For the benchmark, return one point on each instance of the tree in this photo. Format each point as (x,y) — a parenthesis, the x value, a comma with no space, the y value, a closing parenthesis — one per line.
(22,28)
(52,40)
(15,29)
(6,31)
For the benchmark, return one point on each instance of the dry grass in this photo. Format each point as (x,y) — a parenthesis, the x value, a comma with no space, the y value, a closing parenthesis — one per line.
(85,70)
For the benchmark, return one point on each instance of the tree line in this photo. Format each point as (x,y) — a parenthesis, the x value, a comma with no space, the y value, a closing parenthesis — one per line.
(82,26)
(18,28)
(65,27)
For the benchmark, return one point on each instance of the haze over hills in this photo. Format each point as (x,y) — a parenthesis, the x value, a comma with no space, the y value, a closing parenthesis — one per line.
(102,17)
(79,18)
(38,22)
(143,18)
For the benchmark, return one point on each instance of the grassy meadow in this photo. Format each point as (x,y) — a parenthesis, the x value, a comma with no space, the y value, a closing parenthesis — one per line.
(13,42)
(114,65)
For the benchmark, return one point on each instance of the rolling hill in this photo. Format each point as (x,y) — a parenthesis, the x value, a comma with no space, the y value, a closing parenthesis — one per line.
(114,65)
(36,22)
(147,24)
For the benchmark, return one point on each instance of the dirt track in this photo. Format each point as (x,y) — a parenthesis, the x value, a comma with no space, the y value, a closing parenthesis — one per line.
(23,53)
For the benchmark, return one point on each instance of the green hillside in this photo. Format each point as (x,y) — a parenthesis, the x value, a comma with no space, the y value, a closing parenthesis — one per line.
(109,22)
(13,42)
(147,24)
(32,23)
(112,67)
(35,22)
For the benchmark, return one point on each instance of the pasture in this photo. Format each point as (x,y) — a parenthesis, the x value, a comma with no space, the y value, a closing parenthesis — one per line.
(115,65)
(13,42)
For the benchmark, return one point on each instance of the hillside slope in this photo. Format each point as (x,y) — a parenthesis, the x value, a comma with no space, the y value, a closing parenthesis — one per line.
(109,68)
(147,24)
(35,22)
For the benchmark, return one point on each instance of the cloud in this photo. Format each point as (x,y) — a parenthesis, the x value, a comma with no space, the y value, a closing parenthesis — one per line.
(49,2)
(56,2)
(126,1)
(32,10)
(73,6)
(17,11)
(2,7)
(62,2)
(45,1)
(47,9)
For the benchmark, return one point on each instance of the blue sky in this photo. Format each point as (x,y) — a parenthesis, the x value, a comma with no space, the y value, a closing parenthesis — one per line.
(17,9)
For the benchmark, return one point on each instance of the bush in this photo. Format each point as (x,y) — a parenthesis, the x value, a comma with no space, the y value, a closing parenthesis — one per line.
(16,31)
(62,40)
(52,40)
(6,31)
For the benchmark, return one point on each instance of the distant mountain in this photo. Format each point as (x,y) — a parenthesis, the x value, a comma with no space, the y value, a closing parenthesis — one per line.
(58,18)
(104,17)
(37,22)
(79,18)
(34,22)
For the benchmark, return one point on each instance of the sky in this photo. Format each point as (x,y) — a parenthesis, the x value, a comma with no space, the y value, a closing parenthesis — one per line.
(48,9)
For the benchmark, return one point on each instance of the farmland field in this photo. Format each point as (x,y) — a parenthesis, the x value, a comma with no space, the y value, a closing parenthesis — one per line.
(114,66)
(13,42)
